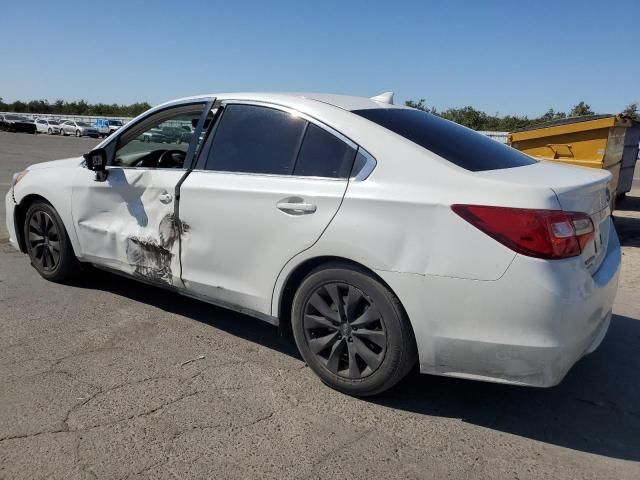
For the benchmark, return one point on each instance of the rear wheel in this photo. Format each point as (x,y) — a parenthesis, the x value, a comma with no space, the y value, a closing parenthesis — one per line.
(78,133)
(49,131)
(48,244)
(352,331)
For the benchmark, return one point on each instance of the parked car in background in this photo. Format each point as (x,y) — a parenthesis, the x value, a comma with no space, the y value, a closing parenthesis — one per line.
(185,137)
(46,125)
(114,125)
(79,129)
(380,235)
(107,127)
(16,123)
(173,134)
(155,135)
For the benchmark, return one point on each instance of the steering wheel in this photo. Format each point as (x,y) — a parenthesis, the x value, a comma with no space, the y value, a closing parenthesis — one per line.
(171,159)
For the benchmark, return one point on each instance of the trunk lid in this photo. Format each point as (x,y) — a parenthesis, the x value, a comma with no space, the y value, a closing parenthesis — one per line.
(578,189)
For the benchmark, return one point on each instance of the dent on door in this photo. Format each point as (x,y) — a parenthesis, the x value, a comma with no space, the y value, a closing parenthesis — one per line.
(128,223)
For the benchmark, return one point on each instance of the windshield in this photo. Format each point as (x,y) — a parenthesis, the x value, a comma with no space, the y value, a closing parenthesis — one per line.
(14,117)
(83,124)
(115,123)
(457,144)
(53,122)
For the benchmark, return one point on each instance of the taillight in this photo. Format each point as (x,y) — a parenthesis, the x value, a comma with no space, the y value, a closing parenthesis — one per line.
(536,233)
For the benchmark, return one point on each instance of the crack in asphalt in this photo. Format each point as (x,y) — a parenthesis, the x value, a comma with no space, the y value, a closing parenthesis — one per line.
(30,435)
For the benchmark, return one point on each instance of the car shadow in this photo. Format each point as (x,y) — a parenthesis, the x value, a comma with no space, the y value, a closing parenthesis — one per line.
(630,203)
(595,409)
(237,324)
(628,229)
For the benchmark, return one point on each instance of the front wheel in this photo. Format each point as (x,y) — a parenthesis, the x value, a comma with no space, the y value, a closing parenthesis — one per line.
(48,244)
(78,133)
(352,331)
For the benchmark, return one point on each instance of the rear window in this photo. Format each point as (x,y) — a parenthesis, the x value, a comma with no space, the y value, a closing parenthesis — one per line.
(455,143)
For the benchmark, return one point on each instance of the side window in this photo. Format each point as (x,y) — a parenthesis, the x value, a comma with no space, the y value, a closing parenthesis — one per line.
(255,139)
(159,141)
(323,155)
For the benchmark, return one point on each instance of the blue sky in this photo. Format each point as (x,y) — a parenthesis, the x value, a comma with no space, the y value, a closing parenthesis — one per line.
(518,57)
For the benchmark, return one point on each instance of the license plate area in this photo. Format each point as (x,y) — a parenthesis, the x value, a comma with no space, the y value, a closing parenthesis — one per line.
(593,256)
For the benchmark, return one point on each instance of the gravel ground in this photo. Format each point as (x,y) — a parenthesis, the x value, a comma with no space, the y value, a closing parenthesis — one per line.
(108,378)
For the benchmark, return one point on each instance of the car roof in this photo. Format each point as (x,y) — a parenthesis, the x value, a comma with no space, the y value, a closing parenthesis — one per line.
(344,102)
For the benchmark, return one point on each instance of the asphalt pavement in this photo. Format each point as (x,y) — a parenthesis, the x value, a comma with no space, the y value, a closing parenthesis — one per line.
(109,378)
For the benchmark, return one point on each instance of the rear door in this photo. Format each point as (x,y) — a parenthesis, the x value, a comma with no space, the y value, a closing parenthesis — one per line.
(268,183)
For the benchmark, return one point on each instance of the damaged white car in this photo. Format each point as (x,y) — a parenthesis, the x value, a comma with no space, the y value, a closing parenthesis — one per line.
(382,236)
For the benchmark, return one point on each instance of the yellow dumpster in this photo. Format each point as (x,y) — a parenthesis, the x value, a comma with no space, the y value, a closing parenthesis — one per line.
(597,141)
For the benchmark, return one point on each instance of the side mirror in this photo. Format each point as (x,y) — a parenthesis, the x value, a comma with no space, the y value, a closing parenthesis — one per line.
(97,162)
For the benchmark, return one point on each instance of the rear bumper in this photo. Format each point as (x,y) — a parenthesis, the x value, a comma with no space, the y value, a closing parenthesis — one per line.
(529,327)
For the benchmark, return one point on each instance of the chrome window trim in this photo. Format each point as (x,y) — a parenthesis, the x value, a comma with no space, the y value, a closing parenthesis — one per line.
(272,175)
(362,174)
(368,167)
(116,167)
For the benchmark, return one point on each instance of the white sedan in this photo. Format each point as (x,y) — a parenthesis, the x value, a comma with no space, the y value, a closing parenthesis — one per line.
(380,235)
(46,125)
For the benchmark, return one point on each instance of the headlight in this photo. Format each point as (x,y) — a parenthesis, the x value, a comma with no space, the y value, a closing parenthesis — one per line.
(17,177)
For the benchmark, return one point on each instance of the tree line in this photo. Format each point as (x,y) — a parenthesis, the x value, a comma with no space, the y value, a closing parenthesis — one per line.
(81,107)
(479,120)
(467,116)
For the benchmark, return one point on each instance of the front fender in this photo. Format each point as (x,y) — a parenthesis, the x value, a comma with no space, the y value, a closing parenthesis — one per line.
(54,186)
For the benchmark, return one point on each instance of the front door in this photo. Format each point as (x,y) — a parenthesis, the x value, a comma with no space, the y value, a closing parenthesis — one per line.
(128,222)
(268,183)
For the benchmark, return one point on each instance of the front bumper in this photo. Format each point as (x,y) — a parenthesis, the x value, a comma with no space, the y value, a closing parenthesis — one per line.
(10,206)
(529,327)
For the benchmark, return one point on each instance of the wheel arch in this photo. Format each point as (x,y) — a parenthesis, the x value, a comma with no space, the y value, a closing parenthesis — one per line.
(297,275)
(19,217)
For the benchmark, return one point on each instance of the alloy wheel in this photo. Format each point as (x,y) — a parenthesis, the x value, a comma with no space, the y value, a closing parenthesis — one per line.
(345,330)
(44,240)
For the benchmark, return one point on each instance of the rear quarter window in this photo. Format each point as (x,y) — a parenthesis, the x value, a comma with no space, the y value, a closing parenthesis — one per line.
(323,155)
(455,143)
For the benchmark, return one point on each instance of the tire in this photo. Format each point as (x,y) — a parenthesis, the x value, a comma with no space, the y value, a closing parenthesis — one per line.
(62,132)
(364,350)
(49,131)
(78,133)
(44,231)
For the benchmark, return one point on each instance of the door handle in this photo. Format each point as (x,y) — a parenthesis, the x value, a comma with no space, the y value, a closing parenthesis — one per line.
(296,208)
(166,197)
